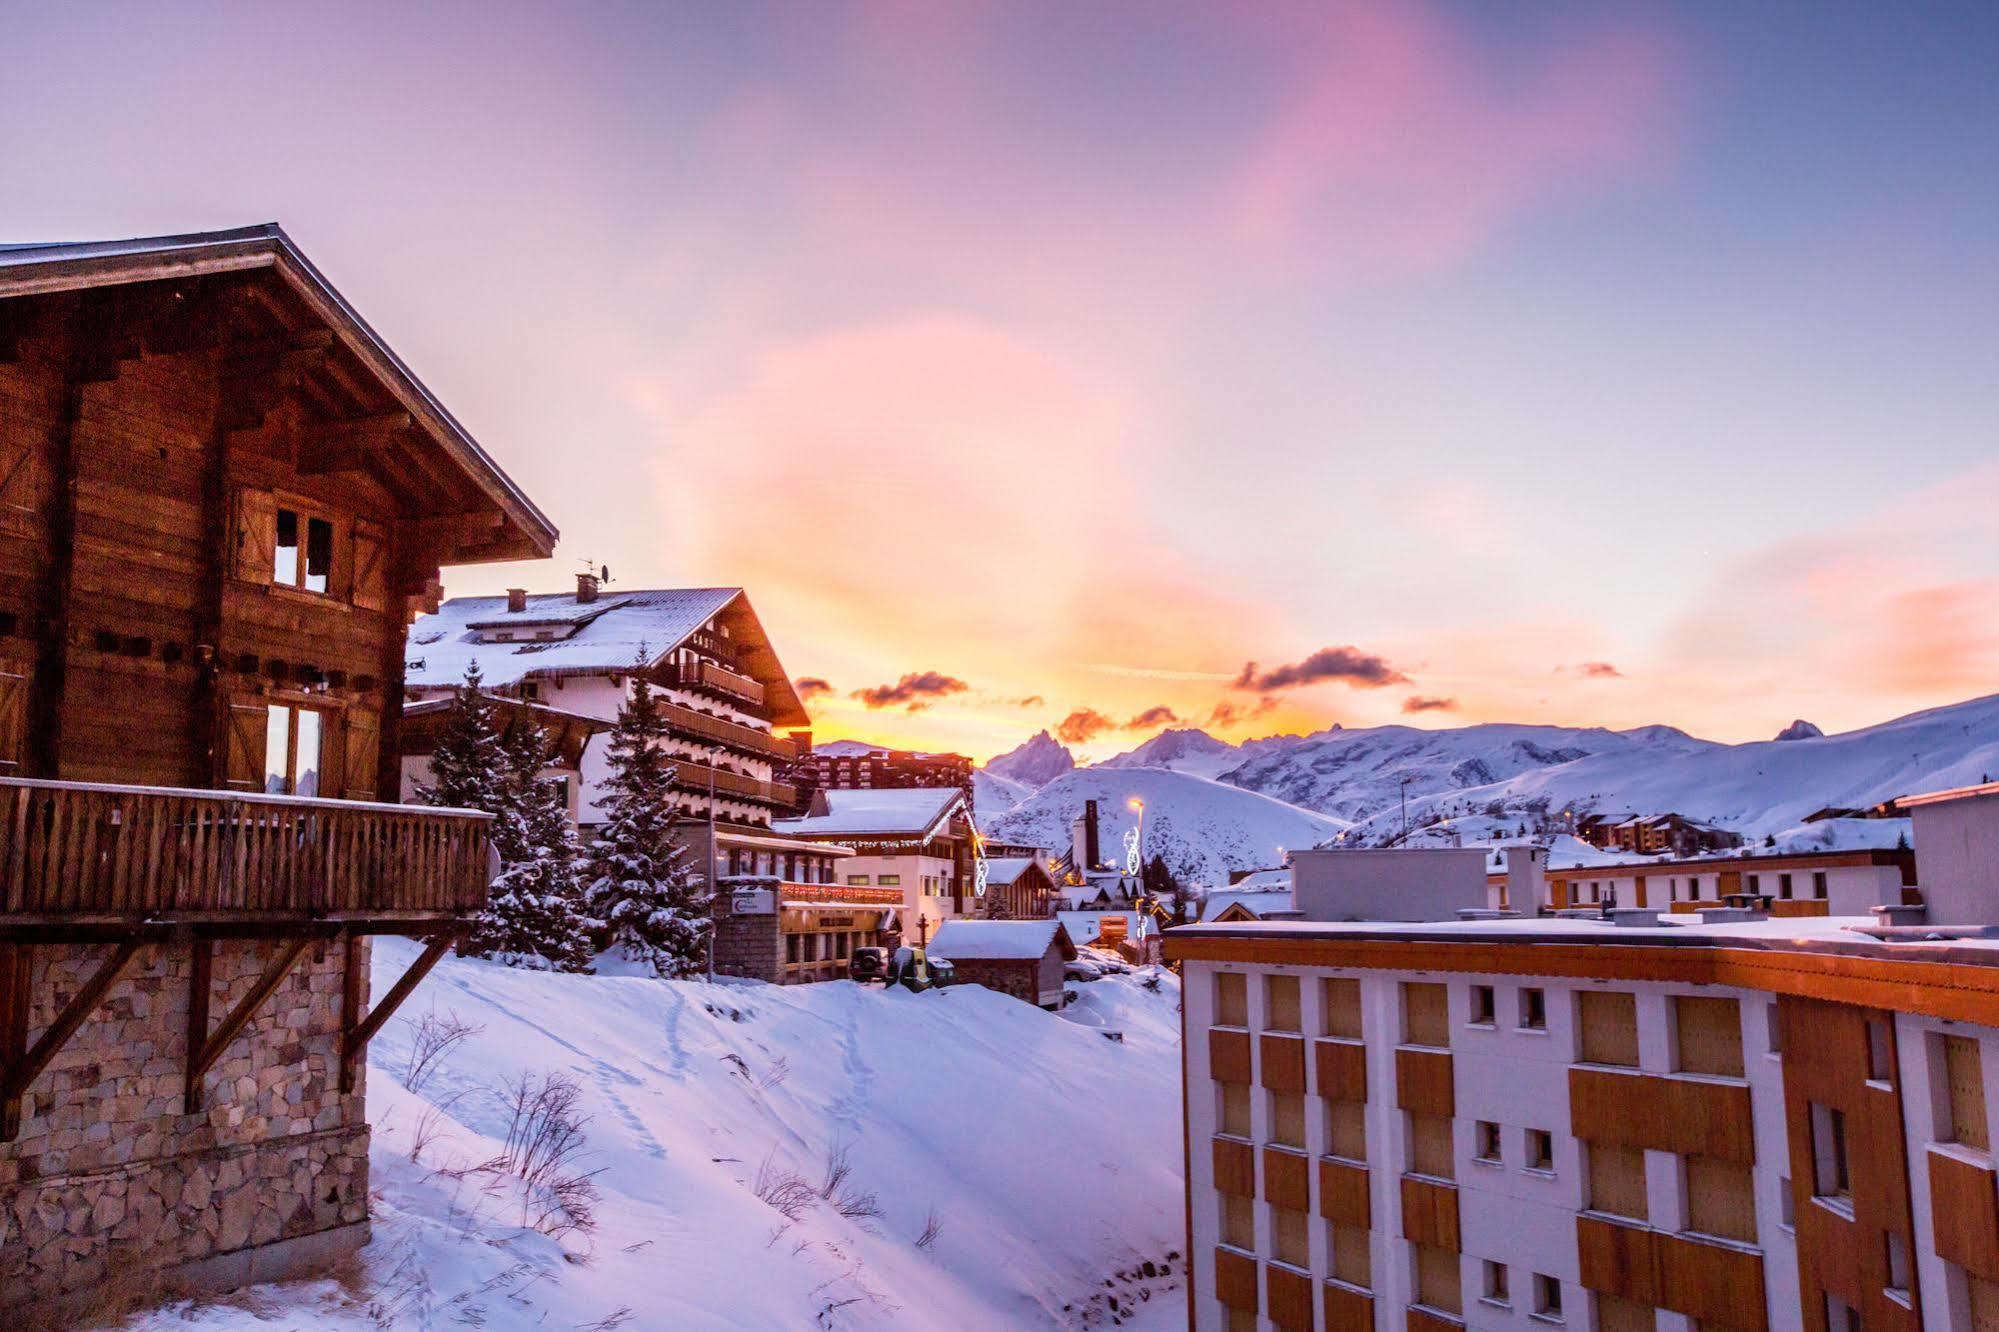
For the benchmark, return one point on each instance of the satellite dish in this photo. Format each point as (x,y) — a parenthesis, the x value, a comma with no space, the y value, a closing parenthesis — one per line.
(605,576)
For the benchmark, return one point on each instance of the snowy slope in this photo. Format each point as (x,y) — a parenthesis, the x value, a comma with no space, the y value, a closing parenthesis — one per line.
(1184,750)
(1360,773)
(1203,828)
(1759,788)
(1036,762)
(946,1104)
(993,795)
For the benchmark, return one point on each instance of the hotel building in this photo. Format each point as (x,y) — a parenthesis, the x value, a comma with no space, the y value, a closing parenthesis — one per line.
(1665,1121)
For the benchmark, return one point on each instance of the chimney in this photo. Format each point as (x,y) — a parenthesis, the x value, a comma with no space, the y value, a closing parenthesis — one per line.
(1526,880)
(586,588)
(517,600)
(1092,846)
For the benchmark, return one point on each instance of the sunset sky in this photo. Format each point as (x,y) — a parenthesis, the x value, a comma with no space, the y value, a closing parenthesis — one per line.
(1110,364)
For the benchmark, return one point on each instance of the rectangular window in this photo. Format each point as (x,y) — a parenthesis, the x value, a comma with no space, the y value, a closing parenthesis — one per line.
(1231,999)
(1818,884)
(1841,1316)
(1280,1003)
(889,880)
(1617,1180)
(1533,1010)
(1346,1129)
(1425,1015)
(1721,1198)
(1609,1022)
(284,569)
(1829,1175)
(859,880)
(1437,1279)
(1483,1010)
(291,751)
(1708,1035)
(1880,1051)
(1784,885)
(314,572)
(1287,1119)
(1964,1085)
(1289,1235)
(1352,1262)
(1430,1150)
(1340,999)
(1540,1149)
(1488,1142)
(1234,1109)
(1238,1222)
(1495,1282)
(1547,1297)
(1898,1264)
(1787,1206)
(1774,1016)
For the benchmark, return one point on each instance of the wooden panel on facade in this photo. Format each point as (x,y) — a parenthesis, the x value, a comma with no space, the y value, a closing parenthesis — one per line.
(1430,1213)
(1647,1110)
(1288,1302)
(1235,1167)
(1283,1062)
(1616,1180)
(1235,1280)
(1287,1179)
(1339,998)
(1439,1283)
(1607,1022)
(1231,999)
(1423,1082)
(1342,1069)
(1423,1320)
(1964,1087)
(1716,1284)
(1618,1259)
(1965,1212)
(1431,1149)
(1426,1016)
(1228,1055)
(1347,1309)
(1721,1198)
(1343,1193)
(1281,1007)
(1708,1035)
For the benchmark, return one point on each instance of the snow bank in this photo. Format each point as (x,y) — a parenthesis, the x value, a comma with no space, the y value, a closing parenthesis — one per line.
(1049,1155)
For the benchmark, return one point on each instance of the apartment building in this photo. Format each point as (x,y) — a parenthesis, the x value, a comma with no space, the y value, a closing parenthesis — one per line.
(1808,883)
(1657,1121)
(917,842)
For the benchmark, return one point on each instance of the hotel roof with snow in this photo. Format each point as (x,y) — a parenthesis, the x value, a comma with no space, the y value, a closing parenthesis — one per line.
(913,812)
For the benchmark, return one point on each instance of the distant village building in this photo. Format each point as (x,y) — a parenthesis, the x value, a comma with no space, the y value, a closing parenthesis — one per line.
(1023,958)
(1809,883)
(221,498)
(786,914)
(1018,888)
(916,841)
(1655,834)
(839,767)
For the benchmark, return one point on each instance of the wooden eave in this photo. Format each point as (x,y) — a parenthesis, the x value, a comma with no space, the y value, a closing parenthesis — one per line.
(512,528)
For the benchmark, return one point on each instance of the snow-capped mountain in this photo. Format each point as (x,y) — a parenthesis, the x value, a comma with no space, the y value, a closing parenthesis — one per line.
(1800,730)
(993,795)
(1357,774)
(1761,788)
(1181,750)
(1202,828)
(1039,761)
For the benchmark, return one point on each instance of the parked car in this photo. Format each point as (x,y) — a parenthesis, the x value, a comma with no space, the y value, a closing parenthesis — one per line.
(869,964)
(942,972)
(912,969)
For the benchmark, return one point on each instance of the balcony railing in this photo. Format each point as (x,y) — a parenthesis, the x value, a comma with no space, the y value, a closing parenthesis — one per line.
(710,675)
(77,850)
(686,721)
(834,894)
(697,777)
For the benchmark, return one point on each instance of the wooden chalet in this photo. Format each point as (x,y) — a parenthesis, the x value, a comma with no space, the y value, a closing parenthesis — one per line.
(222,497)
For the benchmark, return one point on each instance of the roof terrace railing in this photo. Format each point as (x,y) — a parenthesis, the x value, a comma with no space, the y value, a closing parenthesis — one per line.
(83,850)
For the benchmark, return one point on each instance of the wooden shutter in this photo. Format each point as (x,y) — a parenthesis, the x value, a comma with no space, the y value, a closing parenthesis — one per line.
(13,717)
(1964,1082)
(1609,1027)
(370,567)
(244,727)
(1721,1199)
(1617,1181)
(1709,1035)
(362,754)
(257,541)
(333,776)
(1341,1007)
(1425,1015)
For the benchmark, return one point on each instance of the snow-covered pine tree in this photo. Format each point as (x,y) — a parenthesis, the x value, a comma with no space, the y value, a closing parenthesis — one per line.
(642,884)
(534,909)
(468,768)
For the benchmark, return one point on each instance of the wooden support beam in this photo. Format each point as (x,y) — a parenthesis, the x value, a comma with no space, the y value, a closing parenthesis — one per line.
(346,446)
(355,1045)
(16,963)
(23,1071)
(232,1026)
(200,989)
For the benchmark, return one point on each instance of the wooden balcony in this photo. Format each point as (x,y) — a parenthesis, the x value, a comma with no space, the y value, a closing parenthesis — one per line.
(714,676)
(717,730)
(78,854)
(838,894)
(697,777)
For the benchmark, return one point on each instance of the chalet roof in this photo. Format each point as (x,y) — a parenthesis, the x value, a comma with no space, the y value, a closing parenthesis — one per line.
(1003,870)
(609,635)
(1000,940)
(1258,902)
(913,812)
(43,268)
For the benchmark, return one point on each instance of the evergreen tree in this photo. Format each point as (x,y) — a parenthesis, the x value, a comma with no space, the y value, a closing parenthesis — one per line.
(534,909)
(656,902)
(469,767)
(1158,881)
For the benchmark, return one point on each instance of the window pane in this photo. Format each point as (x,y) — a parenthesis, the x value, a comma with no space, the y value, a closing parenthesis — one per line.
(277,749)
(286,570)
(306,773)
(318,554)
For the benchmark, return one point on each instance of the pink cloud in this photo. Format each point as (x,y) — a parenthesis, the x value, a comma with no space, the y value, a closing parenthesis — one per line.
(1403,150)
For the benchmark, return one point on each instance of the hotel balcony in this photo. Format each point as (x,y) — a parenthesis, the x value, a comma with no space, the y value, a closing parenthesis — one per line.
(715,678)
(698,778)
(79,859)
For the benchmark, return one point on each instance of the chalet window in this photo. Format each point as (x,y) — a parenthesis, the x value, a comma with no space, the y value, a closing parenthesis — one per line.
(1818,884)
(1547,1297)
(1540,1150)
(1495,1283)
(291,751)
(1784,885)
(312,569)
(1488,1142)
(1482,1006)
(1829,1174)
(1533,1010)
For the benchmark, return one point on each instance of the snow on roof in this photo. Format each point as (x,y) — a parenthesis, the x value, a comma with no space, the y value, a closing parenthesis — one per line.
(1263,880)
(1085,926)
(442,645)
(1002,870)
(998,940)
(1261,901)
(902,811)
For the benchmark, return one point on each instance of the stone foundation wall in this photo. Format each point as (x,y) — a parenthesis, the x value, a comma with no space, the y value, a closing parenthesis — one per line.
(748,945)
(108,1176)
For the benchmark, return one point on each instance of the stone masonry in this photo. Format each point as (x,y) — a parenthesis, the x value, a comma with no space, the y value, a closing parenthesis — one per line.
(108,1176)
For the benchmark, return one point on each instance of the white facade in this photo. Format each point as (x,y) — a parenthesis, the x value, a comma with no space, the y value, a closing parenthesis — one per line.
(1409,884)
